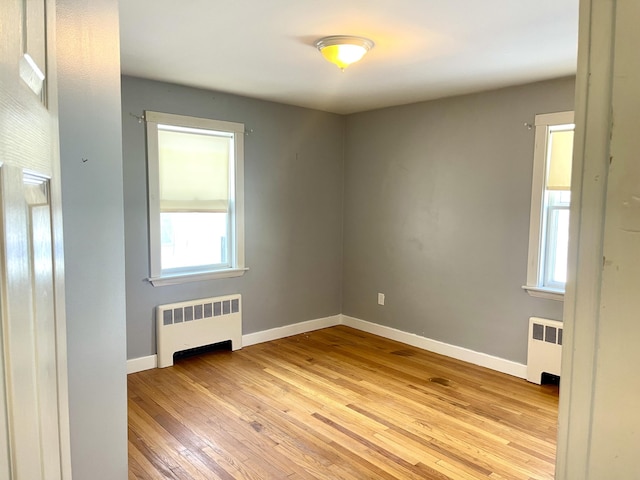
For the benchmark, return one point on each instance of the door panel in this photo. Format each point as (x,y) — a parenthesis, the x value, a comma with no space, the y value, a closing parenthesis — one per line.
(34,442)
(37,200)
(34,46)
(19,329)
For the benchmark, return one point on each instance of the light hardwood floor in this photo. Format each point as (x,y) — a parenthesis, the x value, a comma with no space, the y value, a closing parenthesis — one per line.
(337,404)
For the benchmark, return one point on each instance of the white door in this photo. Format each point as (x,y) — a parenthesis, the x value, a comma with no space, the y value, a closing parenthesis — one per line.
(34,440)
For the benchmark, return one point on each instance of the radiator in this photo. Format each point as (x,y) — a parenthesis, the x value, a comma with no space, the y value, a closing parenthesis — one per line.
(197,323)
(545,348)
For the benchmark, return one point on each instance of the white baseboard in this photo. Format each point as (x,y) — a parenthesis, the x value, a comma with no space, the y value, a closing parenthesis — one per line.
(289,330)
(142,363)
(147,363)
(477,358)
(460,353)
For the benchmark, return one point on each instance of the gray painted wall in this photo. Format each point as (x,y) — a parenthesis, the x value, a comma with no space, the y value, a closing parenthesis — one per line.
(436,216)
(90,128)
(293,210)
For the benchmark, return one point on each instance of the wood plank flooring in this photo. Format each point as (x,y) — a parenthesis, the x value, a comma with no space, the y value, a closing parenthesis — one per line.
(337,404)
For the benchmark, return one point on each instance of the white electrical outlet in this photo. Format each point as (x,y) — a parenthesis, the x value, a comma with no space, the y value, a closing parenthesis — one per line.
(381,299)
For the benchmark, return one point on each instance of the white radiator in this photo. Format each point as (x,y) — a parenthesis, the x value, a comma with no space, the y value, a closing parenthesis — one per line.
(197,323)
(545,348)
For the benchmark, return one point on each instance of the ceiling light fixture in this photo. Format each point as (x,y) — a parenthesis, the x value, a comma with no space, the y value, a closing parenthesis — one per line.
(343,50)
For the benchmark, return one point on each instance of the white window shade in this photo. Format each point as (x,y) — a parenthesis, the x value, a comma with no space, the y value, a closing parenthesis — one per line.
(560,157)
(194,171)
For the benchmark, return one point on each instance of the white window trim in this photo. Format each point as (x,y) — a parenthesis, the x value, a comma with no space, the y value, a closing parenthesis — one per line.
(543,124)
(237,264)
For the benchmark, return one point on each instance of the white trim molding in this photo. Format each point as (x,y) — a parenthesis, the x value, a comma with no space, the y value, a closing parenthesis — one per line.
(460,353)
(543,292)
(140,364)
(196,277)
(289,330)
(135,365)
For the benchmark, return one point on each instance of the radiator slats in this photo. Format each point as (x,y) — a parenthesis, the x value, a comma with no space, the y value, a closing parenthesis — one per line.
(545,348)
(197,323)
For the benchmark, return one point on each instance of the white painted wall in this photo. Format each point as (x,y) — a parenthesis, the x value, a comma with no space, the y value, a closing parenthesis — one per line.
(92,202)
(599,431)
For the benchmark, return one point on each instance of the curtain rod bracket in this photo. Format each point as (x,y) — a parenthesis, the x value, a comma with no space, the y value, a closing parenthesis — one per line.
(139,117)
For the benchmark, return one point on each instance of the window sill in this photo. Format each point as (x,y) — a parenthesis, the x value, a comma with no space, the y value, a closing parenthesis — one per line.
(542,292)
(196,277)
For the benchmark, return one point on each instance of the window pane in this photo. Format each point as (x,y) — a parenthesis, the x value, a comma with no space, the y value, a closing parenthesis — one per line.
(562,247)
(558,246)
(561,198)
(193,239)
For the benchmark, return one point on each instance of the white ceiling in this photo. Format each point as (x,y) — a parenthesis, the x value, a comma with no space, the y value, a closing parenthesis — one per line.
(424,49)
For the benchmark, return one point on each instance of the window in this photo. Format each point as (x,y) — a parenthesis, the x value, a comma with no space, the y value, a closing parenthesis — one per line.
(195,181)
(550,201)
